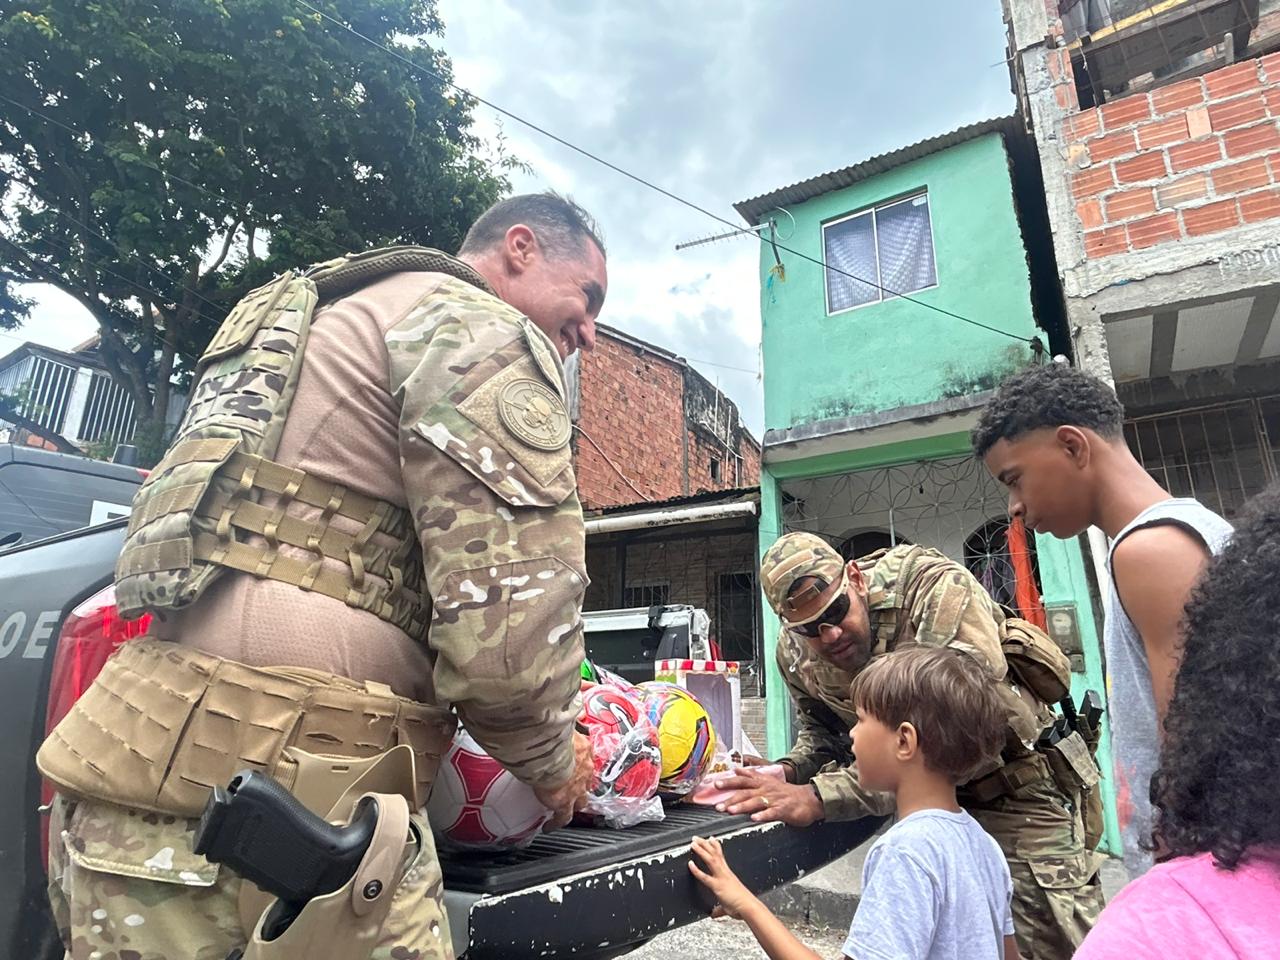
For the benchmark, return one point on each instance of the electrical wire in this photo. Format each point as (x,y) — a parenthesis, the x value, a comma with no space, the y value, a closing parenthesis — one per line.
(616,469)
(641,180)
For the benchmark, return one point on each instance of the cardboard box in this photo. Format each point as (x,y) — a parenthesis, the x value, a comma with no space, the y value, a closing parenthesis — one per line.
(718,688)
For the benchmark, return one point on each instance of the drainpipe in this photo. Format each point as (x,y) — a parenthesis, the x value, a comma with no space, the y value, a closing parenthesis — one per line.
(667,518)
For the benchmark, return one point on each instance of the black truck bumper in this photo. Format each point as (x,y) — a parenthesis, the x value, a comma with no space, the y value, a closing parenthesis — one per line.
(595,892)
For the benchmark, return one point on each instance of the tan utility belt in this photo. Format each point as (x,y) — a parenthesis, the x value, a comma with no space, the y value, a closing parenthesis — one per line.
(163,724)
(1009,779)
(1068,763)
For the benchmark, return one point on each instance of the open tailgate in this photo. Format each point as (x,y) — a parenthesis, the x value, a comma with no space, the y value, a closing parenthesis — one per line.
(593,892)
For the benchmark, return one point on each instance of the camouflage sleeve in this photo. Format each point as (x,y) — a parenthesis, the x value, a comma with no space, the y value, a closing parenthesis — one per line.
(949,608)
(484,446)
(822,756)
(844,798)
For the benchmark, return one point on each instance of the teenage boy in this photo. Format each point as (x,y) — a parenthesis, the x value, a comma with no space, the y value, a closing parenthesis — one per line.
(1053,435)
(935,886)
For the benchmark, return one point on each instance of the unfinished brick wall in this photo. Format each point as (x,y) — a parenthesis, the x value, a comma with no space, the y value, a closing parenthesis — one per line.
(1198,157)
(632,411)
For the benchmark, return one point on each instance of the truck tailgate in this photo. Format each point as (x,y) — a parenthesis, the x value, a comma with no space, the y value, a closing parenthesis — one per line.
(594,892)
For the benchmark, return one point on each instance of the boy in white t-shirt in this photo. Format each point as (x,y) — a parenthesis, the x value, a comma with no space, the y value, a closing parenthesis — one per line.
(935,886)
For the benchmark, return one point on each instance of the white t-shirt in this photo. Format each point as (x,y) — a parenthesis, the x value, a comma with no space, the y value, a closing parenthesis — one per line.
(934,887)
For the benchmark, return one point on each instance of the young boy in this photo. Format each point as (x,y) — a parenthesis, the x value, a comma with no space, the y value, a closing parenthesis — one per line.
(1053,435)
(934,886)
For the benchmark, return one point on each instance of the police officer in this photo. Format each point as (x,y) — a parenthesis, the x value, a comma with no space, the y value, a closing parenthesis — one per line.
(835,617)
(367,525)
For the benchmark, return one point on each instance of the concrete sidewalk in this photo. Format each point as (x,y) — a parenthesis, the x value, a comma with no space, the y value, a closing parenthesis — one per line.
(827,897)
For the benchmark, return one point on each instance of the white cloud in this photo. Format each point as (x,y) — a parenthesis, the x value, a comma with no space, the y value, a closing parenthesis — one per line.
(716,102)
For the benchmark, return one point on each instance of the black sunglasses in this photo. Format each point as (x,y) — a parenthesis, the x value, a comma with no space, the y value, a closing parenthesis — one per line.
(831,616)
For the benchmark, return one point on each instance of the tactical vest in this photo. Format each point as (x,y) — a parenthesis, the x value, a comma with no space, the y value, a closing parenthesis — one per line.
(195,514)
(1038,673)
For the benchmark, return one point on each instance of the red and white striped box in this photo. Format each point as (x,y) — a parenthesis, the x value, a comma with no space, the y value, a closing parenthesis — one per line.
(717,686)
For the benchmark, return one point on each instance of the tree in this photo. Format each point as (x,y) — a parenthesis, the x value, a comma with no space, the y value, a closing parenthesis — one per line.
(164,157)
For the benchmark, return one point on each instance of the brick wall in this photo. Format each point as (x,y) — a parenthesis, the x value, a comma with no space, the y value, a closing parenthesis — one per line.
(1197,157)
(632,423)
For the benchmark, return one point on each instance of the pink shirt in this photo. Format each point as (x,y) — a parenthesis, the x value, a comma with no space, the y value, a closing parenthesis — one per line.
(1189,908)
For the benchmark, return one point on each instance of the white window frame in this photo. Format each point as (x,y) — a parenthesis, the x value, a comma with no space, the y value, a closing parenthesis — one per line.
(871,211)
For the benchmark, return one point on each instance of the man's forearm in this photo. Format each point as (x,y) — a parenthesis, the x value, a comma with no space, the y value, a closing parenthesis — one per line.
(776,940)
(844,798)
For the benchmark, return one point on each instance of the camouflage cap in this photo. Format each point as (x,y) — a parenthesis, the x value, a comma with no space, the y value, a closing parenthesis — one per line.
(792,557)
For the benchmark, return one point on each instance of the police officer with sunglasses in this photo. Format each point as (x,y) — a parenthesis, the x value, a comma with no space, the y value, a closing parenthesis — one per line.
(836,616)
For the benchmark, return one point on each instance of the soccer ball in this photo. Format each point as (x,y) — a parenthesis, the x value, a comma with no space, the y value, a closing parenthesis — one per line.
(624,745)
(685,736)
(475,802)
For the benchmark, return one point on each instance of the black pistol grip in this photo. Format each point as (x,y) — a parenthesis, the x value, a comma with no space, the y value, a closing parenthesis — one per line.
(260,830)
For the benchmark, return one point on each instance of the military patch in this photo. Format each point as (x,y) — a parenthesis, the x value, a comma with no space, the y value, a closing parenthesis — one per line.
(544,355)
(534,414)
(528,421)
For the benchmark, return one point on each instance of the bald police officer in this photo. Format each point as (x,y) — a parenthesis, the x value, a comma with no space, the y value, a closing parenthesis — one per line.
(367,526)
(835,617)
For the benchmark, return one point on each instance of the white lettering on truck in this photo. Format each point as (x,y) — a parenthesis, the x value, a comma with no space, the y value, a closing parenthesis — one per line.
(11,634)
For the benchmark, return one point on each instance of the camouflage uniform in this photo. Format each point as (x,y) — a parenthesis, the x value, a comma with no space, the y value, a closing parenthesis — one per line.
(428,392)
(917,595)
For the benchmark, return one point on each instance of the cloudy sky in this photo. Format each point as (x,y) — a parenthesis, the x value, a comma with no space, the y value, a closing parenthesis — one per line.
(716,102)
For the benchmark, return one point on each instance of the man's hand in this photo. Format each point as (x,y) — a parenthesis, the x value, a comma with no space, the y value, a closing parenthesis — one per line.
(767,799)
(571,796)
(716,876)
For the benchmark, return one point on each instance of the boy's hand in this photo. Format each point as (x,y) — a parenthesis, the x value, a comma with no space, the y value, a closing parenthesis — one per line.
(733,897)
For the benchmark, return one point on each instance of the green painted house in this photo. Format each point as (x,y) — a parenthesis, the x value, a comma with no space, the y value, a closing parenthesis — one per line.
(938,281)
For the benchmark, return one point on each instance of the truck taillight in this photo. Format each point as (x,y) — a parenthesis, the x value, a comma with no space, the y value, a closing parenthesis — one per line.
(89,636)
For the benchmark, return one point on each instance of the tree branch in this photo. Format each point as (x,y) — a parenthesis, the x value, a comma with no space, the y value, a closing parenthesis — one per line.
(226,248)
(10,412)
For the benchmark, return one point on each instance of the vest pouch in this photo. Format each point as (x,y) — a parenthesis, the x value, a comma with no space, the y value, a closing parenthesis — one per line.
(1078,776)
(1035,660)
(157,569)
(239,401)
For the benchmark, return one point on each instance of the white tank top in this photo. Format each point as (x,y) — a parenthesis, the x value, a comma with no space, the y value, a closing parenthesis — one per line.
(1135,738)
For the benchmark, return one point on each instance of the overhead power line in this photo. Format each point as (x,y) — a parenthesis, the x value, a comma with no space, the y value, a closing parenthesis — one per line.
(639,179)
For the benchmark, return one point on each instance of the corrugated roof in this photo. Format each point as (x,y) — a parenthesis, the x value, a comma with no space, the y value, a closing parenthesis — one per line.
(707,497)
(752,210)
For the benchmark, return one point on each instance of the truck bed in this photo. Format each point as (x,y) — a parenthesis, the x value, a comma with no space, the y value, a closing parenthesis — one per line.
(585,892)
(597,892)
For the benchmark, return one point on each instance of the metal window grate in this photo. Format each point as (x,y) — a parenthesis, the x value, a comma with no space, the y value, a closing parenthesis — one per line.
(1221,455)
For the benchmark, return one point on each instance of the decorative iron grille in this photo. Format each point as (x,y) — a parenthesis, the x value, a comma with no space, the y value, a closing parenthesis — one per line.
(951,504)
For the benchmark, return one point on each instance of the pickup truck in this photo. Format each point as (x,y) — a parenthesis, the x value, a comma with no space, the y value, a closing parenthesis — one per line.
(580,891)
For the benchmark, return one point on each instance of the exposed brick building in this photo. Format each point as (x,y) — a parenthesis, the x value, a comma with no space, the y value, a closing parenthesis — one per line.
(649,427)
(1159,143)
(653,437)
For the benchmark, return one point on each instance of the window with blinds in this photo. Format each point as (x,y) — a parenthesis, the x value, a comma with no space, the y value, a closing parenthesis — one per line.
(879,253)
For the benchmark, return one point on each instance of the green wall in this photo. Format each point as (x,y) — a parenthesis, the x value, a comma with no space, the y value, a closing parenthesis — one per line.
(896,353)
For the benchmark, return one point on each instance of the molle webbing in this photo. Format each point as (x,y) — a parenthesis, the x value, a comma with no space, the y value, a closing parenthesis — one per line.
(198,512)
(382,580)
(163,724)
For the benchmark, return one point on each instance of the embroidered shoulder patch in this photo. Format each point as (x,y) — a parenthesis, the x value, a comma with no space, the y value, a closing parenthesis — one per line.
(534,413)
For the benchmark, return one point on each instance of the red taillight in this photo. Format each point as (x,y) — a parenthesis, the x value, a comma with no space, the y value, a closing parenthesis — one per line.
(89,636)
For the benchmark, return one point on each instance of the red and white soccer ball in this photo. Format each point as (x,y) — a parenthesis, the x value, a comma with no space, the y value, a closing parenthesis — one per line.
(476,803)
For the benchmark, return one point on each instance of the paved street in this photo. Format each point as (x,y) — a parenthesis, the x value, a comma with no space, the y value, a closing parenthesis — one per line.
(728,940)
